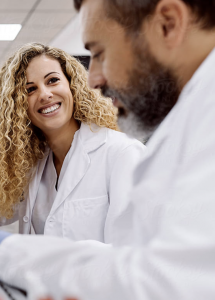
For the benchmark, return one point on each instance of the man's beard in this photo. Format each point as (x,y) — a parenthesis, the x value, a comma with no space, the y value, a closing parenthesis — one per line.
(150,94)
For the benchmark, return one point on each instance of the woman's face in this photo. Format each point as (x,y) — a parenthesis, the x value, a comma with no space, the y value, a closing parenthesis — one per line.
(49,96)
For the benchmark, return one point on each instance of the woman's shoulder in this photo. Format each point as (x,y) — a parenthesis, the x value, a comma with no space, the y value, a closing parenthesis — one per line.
(123,149)
(121,140)
(109,138)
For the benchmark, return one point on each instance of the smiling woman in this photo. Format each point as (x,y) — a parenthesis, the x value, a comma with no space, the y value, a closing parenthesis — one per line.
(65,168)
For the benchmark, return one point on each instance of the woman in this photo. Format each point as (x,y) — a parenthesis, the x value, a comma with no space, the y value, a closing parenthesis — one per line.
(65,169)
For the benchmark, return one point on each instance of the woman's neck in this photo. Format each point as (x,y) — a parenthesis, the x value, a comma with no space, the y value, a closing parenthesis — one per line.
(60,142)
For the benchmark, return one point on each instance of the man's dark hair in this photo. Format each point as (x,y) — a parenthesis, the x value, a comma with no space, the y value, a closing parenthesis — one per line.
(130,13)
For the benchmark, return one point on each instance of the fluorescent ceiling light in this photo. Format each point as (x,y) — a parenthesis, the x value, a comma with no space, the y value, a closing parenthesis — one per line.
(8,32)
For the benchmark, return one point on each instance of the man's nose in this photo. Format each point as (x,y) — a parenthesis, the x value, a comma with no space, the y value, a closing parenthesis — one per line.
(95,79)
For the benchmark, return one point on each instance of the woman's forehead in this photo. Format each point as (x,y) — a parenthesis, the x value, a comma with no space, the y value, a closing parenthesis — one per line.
(42,65)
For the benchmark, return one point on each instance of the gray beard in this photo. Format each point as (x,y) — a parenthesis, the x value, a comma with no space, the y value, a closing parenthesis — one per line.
(131,126)
(150,94)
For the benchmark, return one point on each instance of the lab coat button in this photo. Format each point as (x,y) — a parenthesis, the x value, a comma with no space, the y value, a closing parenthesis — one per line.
(25,219)
(51,220)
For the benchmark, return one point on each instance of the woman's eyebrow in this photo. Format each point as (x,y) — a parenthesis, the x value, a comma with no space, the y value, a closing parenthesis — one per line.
(44,77)
(50,73)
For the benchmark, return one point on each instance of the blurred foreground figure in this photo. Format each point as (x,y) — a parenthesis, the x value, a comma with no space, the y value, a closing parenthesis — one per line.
(144,54)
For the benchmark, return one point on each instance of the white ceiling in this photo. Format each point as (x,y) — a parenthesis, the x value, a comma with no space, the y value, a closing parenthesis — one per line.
(69,39)
(45,21)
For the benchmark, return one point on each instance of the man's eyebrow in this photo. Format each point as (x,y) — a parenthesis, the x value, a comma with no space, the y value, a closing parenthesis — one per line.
(90,45)
(44,77)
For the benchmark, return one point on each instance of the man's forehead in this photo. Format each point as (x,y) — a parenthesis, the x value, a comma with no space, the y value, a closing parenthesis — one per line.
(92,11)
(93,20)
(97,26)
(91,33)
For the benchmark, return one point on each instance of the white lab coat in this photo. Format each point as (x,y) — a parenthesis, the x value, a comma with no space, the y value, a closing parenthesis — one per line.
(173,256)
(92,201)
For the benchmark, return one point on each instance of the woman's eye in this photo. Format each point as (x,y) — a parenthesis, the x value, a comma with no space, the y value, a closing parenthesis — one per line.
(53,80)
(31,89)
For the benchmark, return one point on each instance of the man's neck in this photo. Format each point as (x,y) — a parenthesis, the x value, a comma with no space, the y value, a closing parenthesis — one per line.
(196,49)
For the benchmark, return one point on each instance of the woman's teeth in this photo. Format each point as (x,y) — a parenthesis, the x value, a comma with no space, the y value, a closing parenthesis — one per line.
(50,109)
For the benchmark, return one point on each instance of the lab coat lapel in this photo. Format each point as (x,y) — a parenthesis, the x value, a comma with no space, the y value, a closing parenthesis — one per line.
(76,169)
(84,142)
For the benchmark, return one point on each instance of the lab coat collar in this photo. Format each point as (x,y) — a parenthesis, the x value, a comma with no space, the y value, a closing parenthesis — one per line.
(201,77)
(86,140)
(92,136)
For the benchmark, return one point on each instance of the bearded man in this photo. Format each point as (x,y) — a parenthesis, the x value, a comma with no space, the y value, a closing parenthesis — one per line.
(156,60)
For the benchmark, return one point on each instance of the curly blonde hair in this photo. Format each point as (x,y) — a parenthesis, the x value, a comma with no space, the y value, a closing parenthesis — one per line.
(21,143)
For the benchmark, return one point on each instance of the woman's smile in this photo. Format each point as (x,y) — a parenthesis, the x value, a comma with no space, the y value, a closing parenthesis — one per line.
(50,110)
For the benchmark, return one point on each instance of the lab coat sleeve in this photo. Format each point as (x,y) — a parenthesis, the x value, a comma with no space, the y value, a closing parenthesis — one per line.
(3,235)
(93,271)
(118,225)
(5,222)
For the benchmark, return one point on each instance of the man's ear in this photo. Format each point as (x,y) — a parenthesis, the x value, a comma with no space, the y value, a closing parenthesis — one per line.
(169,23)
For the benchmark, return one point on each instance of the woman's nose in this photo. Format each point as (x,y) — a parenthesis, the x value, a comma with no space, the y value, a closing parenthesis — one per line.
(45,95)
